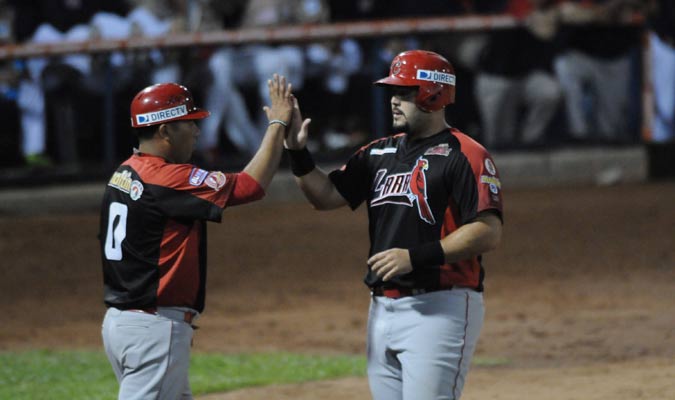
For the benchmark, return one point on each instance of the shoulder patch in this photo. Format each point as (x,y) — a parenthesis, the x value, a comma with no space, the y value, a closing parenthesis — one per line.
(490,166)
(494,183)
(197,176)
(216,180)
(136,190)
(121,181)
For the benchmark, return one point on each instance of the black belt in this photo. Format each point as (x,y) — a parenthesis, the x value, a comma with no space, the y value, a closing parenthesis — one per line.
(187,316)
(397,293)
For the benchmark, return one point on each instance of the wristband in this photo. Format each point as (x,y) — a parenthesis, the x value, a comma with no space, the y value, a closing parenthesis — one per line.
(301,161)
(427,255)
(277,121)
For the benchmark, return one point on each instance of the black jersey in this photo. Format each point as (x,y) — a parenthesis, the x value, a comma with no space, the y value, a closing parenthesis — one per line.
(153,231)
(418,191)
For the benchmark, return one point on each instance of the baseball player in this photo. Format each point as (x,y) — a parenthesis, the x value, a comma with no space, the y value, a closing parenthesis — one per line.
(153,235)
(434,206)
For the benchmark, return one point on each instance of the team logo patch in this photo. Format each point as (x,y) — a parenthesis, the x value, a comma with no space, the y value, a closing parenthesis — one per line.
(436,76)
(396,68)
(407,189)
(490,166)
(442,149)
(197,176)
(215,180)
(494,183)
(136,190)
(121,181)
(163,115)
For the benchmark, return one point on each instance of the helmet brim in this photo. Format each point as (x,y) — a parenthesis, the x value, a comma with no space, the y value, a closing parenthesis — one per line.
(394,81)
(198,113)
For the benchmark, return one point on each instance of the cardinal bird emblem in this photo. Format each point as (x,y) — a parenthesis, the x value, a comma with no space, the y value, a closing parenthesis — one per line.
(405,189)
(418,189)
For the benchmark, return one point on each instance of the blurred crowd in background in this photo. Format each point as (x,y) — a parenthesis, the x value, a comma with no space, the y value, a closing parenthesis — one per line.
(571,74)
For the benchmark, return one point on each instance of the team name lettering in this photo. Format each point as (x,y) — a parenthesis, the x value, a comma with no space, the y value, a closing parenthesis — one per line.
(395,185)
(163,115)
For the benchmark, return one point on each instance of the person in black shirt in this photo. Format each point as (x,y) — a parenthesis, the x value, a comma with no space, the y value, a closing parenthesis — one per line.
(434,206)
(516,91)
(594,69)
(153,236)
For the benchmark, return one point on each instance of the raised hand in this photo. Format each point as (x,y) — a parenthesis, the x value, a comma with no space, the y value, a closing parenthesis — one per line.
(281,98)
(296,137)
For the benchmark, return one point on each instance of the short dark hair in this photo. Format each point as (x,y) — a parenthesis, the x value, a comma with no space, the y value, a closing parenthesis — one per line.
(146,132)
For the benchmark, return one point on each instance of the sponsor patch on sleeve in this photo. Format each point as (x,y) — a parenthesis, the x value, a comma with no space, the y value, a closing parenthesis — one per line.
(490,166)
(197,176)
(216,180)
(136,190)
(494,183)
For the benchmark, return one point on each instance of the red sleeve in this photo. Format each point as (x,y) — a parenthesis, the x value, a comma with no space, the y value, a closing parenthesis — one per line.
(183,190)
(246,189)
(212,186)
(487,176)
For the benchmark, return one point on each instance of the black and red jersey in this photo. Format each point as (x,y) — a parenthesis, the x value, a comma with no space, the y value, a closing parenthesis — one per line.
(153,231)
(418,191)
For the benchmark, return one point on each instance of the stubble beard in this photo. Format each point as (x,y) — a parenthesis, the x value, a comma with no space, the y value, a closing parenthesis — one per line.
(401,126)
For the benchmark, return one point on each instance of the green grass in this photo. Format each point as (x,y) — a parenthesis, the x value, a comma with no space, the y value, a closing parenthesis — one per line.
(44,374)
(72,375)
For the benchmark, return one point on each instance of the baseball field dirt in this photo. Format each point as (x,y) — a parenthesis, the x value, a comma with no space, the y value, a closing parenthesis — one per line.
(580,297)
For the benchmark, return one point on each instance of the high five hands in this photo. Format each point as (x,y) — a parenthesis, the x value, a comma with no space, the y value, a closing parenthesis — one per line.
(282,100)
(296,139)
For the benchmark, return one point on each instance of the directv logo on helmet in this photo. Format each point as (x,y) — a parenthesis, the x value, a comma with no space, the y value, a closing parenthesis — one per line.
(435,76)
(163,115)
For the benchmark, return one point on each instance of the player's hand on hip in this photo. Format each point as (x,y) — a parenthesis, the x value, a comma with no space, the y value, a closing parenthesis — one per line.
(296,137)
(390,263)
(281,98)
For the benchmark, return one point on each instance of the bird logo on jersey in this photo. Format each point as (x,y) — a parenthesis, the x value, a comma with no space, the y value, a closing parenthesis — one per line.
(405,189)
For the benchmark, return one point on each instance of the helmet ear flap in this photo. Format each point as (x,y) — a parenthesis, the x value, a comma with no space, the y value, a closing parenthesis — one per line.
(431,98)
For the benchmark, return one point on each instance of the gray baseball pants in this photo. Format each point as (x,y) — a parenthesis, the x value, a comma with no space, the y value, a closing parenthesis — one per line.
(149,353)
(420,347)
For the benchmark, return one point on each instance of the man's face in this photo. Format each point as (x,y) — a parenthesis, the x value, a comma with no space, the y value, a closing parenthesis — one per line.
(405,114)
(183,138)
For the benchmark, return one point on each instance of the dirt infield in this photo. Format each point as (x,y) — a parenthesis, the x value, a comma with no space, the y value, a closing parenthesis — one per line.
(580,296)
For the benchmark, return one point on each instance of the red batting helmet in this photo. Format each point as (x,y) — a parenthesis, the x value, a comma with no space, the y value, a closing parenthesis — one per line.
(164,102)
(431,72)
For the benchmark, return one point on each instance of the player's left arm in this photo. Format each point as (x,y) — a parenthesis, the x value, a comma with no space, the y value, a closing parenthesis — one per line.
(469,240)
